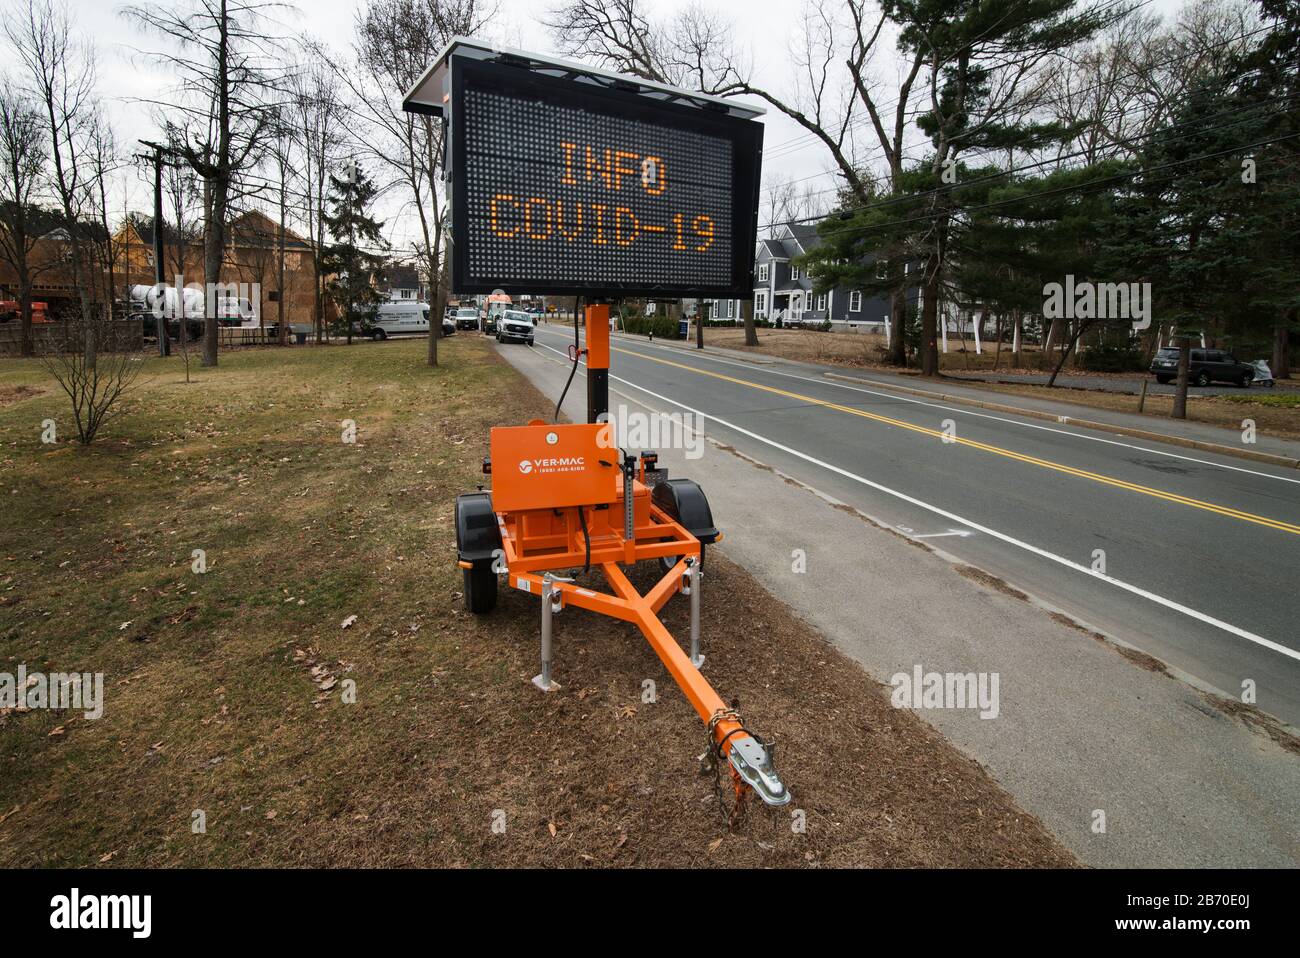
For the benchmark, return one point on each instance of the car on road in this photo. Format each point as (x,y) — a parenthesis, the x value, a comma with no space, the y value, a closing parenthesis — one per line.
(1204,367)
(467,317)
(515,324)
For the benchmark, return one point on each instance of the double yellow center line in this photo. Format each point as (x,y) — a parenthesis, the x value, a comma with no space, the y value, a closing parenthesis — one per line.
(996,450)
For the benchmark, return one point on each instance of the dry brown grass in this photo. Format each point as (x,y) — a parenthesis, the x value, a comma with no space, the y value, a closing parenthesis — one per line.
(1280,422)
(223,689)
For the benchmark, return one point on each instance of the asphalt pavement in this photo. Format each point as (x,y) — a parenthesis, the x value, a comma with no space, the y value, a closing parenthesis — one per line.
(1193,568)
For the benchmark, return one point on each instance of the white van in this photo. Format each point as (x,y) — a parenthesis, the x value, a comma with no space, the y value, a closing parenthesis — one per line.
(394,319)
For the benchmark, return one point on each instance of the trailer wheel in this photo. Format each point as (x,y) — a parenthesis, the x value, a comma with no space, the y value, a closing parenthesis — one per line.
(480,590)
(666,563)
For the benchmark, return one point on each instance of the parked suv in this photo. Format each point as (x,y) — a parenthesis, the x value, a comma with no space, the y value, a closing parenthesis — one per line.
(467,317)
(1205,366)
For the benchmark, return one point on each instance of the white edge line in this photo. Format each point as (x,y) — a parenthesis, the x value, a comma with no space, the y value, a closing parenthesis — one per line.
(952,516)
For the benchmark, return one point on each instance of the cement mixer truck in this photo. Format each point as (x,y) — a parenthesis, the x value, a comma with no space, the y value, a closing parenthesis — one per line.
(151,301)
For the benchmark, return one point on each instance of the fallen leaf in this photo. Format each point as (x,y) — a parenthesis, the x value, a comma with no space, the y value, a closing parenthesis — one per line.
(271,814)
(715,844)
(349,622)
(104,858)
(8,813)
(550,827)
(56,731)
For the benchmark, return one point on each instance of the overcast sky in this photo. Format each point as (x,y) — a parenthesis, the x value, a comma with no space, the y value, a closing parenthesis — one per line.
(764,30)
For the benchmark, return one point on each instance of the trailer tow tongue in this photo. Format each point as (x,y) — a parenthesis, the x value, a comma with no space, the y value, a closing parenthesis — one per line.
(562,499)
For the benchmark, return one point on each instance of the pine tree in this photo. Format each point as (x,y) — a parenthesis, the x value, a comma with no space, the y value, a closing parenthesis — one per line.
(351,261)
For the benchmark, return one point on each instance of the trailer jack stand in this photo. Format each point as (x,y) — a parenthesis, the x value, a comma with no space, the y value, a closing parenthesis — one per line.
(551,604)
(691,586)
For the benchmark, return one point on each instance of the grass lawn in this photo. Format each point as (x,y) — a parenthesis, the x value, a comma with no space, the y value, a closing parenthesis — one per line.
(224,690)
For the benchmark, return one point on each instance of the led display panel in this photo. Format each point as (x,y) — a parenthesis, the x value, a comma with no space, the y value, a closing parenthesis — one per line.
(562,187)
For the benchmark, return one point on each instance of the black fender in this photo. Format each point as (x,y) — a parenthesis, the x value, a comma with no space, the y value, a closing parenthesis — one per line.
(684,501)
(478,537)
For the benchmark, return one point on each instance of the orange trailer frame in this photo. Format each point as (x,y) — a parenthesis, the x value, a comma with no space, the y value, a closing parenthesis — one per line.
(539,538)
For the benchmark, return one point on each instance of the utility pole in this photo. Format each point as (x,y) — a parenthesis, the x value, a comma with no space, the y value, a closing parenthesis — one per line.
(164,346)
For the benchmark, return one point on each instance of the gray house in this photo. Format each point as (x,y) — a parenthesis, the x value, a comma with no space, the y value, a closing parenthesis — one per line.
(784,294)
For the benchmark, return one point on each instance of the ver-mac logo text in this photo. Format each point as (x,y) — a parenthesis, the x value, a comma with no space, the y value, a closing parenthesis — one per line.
(563,464)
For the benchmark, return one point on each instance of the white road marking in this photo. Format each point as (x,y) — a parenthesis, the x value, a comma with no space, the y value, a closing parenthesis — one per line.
(982,415)
(951,532)
(977,527)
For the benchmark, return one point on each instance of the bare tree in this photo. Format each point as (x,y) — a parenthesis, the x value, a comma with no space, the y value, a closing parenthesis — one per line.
(103,162)
(692,49)
(396,41)
(22,222)
(786,199)
(91,363)
(94,381)
(60,76)
(318,117)
(225,61)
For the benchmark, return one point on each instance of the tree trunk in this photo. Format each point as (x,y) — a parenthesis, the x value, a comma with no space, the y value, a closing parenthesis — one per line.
(1019,337)
(25,312)
(930,323)
(747,313)
(214,247)
(1281,353)
(1069,348)
(1048,343)
(897,355)
(1179,410)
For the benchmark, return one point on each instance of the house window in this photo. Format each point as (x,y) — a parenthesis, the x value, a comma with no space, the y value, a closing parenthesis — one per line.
(760,303)
(821,302)
(406,294)
(855,301)
(794,272)
(762,273)
(728,313)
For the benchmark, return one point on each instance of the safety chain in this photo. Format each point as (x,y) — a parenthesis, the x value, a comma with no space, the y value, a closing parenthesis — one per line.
(714,758)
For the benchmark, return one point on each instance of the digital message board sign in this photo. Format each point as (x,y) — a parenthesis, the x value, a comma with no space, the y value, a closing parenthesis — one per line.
(564,187)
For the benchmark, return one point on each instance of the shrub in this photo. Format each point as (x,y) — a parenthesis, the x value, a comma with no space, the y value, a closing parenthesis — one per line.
(1112,358)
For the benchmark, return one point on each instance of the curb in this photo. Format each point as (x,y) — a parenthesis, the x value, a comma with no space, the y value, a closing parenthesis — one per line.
(1285,461)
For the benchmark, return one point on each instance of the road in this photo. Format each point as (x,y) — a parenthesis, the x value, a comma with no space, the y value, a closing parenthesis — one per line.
(1187,555)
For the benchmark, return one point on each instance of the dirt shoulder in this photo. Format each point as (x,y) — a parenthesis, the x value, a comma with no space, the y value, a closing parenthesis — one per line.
(224,691)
